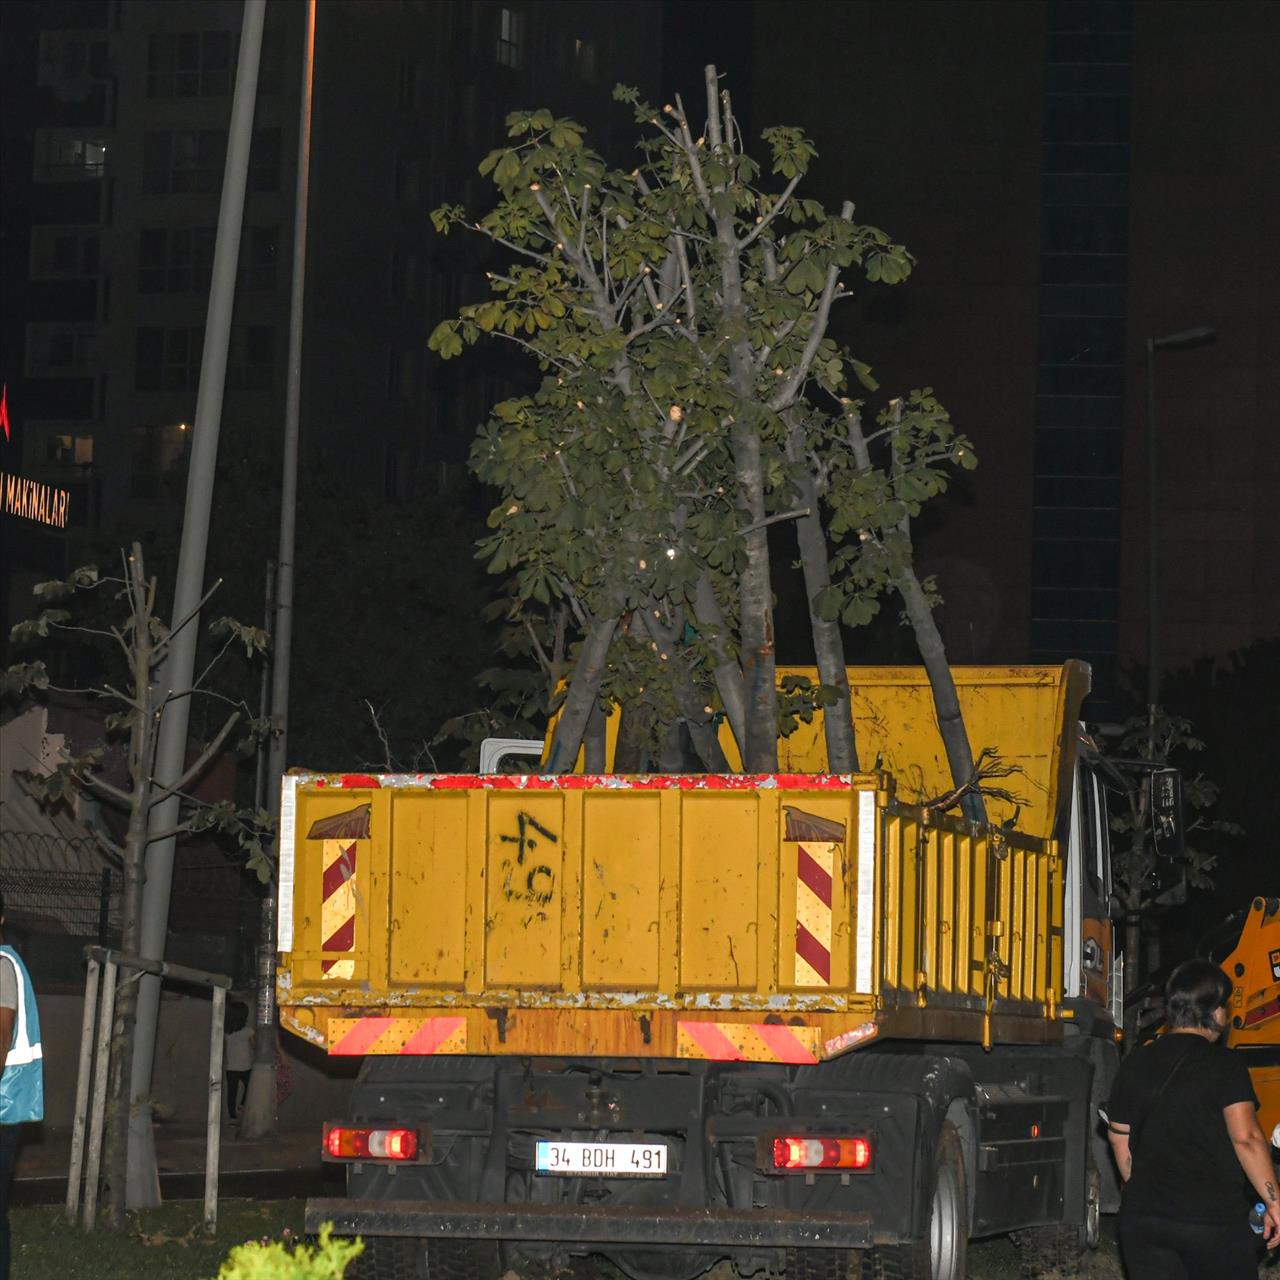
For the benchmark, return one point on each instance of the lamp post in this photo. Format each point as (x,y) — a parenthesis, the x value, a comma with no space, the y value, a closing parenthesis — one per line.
(1184,338)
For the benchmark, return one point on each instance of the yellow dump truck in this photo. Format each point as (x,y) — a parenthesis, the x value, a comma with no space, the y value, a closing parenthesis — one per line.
(801,1021)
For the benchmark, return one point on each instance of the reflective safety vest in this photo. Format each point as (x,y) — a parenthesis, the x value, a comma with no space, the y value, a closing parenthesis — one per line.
(22,1081)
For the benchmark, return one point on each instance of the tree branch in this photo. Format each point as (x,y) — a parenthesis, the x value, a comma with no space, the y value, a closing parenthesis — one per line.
(791,387)
(764,222)
(210,753)
(780,518)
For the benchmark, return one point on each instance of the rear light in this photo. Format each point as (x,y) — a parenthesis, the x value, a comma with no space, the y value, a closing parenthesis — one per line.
(805,1154)
(344,1142)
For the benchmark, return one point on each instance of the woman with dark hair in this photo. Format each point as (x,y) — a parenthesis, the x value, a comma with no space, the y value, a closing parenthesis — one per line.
(1183,1127)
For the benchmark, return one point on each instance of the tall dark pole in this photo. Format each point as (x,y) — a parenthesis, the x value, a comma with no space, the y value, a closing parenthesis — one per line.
(189,588)
(1153,556)
(259,1116)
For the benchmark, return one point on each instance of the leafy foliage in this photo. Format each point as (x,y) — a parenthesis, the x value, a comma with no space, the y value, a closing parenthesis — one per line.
(690,398)
(327,1259)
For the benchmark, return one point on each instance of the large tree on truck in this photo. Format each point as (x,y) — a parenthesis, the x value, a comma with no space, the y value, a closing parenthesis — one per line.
(692,399)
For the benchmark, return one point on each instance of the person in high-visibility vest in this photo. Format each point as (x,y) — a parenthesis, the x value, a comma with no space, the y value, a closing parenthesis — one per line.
(21,1072)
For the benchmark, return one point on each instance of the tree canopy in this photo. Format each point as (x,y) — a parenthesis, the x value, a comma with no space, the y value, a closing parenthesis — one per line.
(692,398)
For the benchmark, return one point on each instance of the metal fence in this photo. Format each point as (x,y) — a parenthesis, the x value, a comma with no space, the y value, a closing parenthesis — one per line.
(78,904)
(51,913)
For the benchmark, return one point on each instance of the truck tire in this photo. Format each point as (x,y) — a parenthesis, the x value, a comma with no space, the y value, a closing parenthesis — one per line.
(411,1258)
(941,1254)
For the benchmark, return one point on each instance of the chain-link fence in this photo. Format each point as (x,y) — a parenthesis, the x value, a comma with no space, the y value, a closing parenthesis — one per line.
(50,913)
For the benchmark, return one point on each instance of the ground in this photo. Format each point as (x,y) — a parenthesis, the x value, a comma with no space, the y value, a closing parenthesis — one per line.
(170,1244)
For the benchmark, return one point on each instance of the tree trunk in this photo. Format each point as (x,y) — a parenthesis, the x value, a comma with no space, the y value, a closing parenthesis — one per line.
(121,1052)
(727,673)
(594,741)
(755,609)
(828,642)
(755,584)
(584,685)
(695,717)
(946,703)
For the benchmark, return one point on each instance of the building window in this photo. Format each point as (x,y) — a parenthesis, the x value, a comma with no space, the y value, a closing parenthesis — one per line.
(157,450)
(259,254)
(64,253)
(175,259)
(584,58)
(404,275)
(412,85)
(251,360)
(400,375)
(189,64)
(185,160)
(264,160)
(59,350)
(69,59)
(510,39)
(168,359)
(69,155)
(70,450)
(408,188)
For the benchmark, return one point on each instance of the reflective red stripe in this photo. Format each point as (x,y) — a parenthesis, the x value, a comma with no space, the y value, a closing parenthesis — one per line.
(783,1043)
(813,953)
(357,1041)
(339,871)
(713,1042)
(432,1034)
(811,874)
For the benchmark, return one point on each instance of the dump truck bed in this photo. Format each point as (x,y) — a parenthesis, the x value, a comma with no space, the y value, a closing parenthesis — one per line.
(786,917)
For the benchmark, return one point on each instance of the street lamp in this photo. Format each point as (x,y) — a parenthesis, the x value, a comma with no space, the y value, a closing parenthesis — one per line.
(1184,338)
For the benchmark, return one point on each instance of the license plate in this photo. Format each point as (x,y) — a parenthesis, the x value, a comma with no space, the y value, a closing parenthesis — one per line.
(601,1159)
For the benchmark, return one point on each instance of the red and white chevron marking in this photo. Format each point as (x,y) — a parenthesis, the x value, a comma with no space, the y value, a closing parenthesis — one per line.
(815,862)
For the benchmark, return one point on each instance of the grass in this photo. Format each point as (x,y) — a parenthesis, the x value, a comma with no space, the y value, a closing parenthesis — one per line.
(168,1243)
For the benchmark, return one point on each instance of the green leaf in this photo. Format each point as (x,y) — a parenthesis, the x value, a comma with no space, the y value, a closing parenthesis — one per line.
(863,373)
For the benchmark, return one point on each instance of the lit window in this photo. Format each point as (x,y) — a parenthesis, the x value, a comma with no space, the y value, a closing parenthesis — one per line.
(584,58)
(67,155)
(510,38)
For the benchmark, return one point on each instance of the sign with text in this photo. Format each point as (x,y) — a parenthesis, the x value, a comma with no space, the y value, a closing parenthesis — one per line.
(32,500)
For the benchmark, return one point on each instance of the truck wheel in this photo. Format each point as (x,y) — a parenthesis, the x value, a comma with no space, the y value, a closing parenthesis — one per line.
(941,1254)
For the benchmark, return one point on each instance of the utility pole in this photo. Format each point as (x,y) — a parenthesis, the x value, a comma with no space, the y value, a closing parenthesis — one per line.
(176,677)
(258,1118)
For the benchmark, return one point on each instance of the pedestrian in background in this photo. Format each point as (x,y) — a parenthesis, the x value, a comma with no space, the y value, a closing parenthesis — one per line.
(1183,1126)
(21,1072)
(237,1056)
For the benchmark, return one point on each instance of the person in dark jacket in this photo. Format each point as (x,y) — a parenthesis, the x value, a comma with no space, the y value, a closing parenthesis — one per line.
(1183,1126)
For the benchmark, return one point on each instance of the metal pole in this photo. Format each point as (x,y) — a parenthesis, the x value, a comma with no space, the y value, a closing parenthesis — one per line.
(1153,557)
(143,1183)
(76,1168)
(211,1152)
(264,696)
(258,1117)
